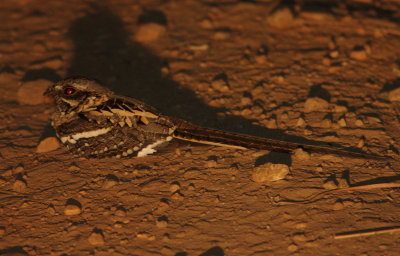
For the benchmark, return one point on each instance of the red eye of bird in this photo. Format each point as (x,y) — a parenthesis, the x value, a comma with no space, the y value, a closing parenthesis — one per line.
(69,91)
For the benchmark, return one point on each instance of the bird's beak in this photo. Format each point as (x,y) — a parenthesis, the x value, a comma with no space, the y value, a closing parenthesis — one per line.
(49,91)
(49,95)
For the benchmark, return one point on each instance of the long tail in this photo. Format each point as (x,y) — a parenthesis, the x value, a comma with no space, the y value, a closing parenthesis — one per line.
(190,132)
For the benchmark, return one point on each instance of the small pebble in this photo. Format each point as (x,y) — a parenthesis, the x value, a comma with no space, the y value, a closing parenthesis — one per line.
(257,92)
(301,155)
(162,222)
(72,209)
(315,104)
(260,59)
(181,234)
(211,164)
(31,93)
(301,225)
(162,205)
(51,209)
(199,47)
(299,238)
(121,242)
(270,172)
(109,183)
(351,203)
(165,71)
(319,169)
(358,54)
(332,45)
(149,32)
(206,24)
(220,35)
(340,109)
(394,95)
(144,235)
(166,237)
(220,85)
(359,123)
(244,101)
(361,143)
(48,144)
(174,187)
(326,61)
(343,183)
(300,122)
(338,206)
(19,186)
(284,116)
(292,248)
(245,112)
(271,123)
(330,184)
(334,69)
(342,122)
(326,123)
(120,212)
(281,18)
(334,54)
(374,120)
(307,132)
(18,169)
(167,251)
(74,168)
(177,196)
(96,239)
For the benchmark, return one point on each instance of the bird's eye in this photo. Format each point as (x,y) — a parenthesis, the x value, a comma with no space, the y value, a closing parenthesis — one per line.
(69,91)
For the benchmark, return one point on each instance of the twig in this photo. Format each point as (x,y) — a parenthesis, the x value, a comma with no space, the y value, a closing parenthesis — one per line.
(367,232)
(365,187)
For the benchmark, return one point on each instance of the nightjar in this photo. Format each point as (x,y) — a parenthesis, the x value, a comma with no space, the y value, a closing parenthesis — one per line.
(94,122)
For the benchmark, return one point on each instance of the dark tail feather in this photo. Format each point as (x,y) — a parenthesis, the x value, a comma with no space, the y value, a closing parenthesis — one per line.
(189,132)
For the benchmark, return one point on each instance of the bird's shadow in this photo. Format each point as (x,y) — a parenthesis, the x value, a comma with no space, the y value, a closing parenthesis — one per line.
(105,51)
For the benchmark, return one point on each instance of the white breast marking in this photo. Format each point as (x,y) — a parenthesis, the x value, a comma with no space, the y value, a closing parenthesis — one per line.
(74,137)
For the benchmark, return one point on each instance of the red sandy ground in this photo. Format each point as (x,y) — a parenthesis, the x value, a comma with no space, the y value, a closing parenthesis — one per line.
(230,65)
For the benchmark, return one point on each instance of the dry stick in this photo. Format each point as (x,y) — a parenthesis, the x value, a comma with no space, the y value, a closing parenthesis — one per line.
(361,233)
(366,187)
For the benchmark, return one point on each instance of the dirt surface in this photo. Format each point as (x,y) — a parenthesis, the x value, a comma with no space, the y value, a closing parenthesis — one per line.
(304,70)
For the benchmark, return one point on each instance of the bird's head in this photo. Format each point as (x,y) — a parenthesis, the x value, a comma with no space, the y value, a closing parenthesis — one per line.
(78,94)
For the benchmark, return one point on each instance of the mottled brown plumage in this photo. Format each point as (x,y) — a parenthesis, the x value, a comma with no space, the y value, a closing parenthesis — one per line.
(94,122)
